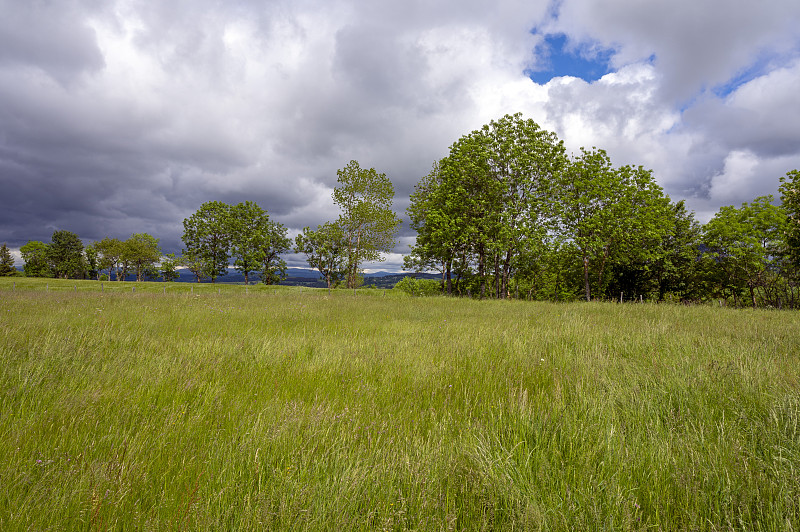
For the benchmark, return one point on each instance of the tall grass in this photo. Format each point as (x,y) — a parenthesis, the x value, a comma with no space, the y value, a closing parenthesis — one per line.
(290,409)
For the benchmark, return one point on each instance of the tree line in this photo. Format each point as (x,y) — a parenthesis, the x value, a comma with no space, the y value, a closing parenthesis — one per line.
(65,256)
(243,236)
(507,213)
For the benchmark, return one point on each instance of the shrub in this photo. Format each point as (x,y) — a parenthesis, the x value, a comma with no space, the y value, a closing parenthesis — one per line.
(419,287)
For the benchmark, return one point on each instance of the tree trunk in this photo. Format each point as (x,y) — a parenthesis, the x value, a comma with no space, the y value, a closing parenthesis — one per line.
(449,281)
(586,278)
(498,294)
(602,269)
(482,270)
(507,272)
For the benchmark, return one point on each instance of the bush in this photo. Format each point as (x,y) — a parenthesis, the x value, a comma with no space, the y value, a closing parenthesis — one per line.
(419,287)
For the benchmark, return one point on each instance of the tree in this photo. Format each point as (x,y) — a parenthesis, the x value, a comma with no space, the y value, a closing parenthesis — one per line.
(587,208)
(645,218)
(615,218)
(435,212)
(745,243)
(676,267)
(488,202)
(522,161)
(111,252)
(207,238)
(790,202)
(6,262)
(249,232)
(475,202)
(194,264)
(272,243)
(34,253)
(92,262)
(65,255)
(367,221)
(169,267)
(325,251)
(141,251)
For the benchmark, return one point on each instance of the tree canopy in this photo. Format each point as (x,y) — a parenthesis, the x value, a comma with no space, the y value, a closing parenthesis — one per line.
(367,221)
(507,208)
(6,262)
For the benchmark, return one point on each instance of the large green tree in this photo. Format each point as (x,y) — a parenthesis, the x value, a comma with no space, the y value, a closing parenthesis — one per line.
(256,241)
(65,255)
(92,261)
(790,202)
(34,253)
(436,213)
(271,245)
(325,251)
(141,251)
(488,202)
(368,223)
(523,160)
(589,212)
(111,257)
(745,243)
(676,265)
(612,216)
(168,267)
(206,235)
(6,262)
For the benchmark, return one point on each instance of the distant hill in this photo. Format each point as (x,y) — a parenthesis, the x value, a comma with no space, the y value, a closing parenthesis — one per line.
(299,277)
(312,278)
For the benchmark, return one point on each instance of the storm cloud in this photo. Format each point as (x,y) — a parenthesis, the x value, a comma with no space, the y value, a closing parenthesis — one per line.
(123,116)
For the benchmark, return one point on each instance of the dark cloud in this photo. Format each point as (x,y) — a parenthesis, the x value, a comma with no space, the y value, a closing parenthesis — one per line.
(52,37)
(122,117)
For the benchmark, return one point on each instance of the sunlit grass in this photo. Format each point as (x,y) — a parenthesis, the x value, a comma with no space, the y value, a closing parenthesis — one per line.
(284,408)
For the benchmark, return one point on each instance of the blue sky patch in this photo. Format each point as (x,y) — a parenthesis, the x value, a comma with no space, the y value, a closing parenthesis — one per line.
(560,58)
(759,68)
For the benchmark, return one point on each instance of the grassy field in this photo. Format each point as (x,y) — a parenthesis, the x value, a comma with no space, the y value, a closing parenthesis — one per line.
(283,409)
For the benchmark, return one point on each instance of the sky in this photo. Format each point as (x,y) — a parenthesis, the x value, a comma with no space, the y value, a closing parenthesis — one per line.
(124,116)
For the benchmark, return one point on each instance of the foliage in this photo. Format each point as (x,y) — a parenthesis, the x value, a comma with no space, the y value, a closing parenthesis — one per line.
(65,255)
(142,252)
(367,221)
(675,268)
(273,243)
(92,262)
(744,244)
(6,262)
(614,217)
(206,236)
(191,260)
(111,253)
(34,253)
(487,202)
(250,231)
(419,287)
(169,267)
(790,198)
(508,214)
(244,231)
(325,251)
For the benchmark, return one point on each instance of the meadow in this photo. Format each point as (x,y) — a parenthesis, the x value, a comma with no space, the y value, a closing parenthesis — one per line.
(162,408)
